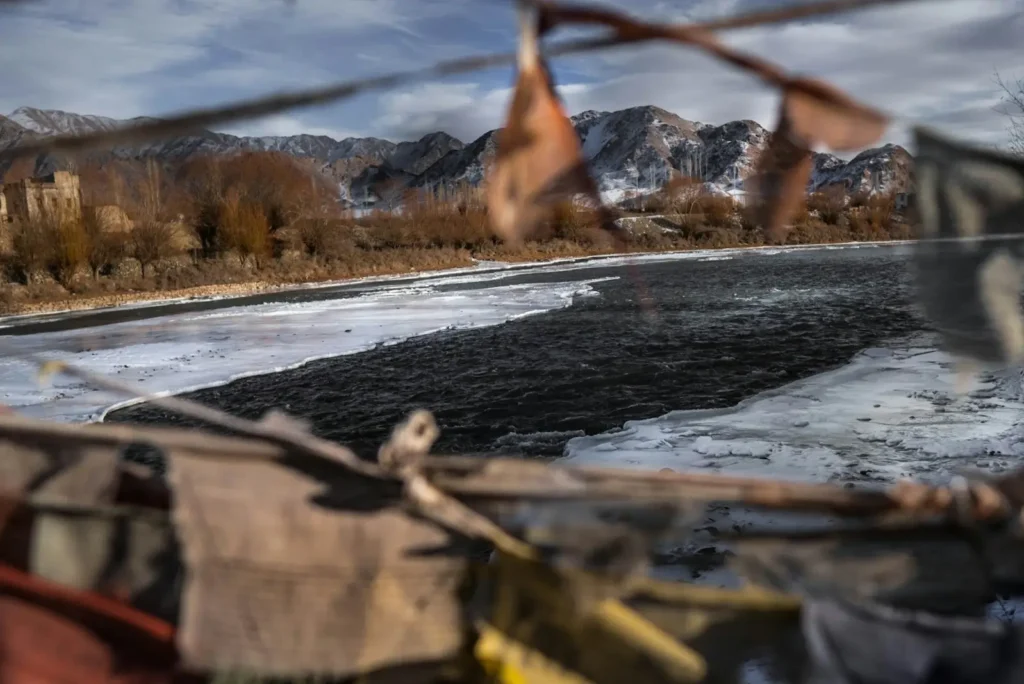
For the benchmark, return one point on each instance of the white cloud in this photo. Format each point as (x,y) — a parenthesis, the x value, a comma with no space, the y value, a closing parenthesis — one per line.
(931,61)
(464,110)
(123,59)
(57,61)
(285,125)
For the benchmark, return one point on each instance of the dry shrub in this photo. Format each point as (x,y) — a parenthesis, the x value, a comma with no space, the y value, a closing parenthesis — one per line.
(814,231)
(801,214)
(875,219)
(9,299)
(32,247)
(150,242)
(657,203)
(682,193)
(105,248)
(860,199)
(830,204)
(456,220)
(70,251)
(48,244)
(748,223)
(462,225)
(202,183)
(570,222)
(393,231)
(282,187)
(690,225)
(900,230)
(882,209)
(246,230)
(653,240)
(14,296)
(719,237)
(717,210)
(324,239)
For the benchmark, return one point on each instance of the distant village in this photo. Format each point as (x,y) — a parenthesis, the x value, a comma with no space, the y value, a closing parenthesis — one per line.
(56,195)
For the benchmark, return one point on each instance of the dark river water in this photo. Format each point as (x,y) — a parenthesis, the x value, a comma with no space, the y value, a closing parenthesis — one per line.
(724,330)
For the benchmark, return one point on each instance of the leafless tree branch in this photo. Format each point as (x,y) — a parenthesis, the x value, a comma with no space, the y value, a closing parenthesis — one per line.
(1013,103)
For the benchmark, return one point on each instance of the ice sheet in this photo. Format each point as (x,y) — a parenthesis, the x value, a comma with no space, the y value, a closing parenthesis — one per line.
(182,352)
(889,413)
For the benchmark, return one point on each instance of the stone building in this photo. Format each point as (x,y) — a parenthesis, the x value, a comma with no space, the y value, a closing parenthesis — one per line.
(58,194)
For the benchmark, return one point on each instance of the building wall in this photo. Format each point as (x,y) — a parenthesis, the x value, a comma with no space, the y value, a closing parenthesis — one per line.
(57,195)
(17,201)
(69,192)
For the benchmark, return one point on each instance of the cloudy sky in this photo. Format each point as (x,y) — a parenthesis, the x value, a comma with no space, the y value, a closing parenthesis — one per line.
(933,61)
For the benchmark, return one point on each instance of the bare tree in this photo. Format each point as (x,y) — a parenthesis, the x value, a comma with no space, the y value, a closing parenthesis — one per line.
(830,203)
(33,245)
(245,229)
(152,241)
(682,194)
(151,200)
(391,192)
(1013,107)
(105,247)
(70,250)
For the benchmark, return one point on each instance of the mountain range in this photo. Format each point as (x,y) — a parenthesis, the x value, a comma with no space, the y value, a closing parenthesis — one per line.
(633,149)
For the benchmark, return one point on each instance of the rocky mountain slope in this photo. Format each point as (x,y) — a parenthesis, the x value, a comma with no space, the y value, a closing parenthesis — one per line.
(630,151)
(54,122)
(885,169)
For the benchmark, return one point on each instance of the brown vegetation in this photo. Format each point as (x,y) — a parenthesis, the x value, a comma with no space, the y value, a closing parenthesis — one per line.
(266,217)
(680,195)
(829,204)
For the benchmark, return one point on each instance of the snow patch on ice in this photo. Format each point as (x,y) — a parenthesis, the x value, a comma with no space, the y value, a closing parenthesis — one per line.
(889,413)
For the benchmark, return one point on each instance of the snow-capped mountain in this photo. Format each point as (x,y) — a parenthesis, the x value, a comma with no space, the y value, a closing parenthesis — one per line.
(640,148)
(637,150)
(630,151)
(11,132)
(883,169)
(41,122)
(48,122)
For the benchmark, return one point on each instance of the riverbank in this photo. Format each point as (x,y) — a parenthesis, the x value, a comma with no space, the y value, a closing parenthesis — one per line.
(50,301)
